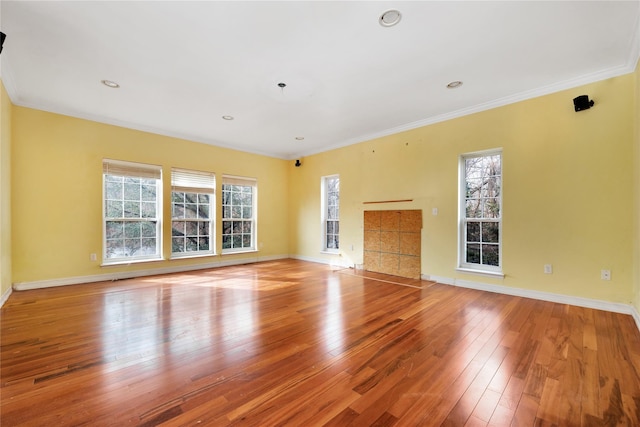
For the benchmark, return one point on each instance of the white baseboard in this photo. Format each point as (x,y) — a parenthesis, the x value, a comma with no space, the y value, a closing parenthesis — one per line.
(544,296)
(5,296)
(39,284)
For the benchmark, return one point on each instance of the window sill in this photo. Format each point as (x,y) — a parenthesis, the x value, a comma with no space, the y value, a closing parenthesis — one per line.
(481,272)
(128,262)
(330,252)
(248,251)
(175,257)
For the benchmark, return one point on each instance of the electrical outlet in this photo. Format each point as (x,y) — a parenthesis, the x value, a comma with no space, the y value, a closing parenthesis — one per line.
(605,274)
(93,257)
(548,269)
(434,211)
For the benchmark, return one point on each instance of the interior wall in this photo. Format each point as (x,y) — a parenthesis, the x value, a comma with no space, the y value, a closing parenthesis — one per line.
(57,192)
(636,168)
(5,190)
(568,191)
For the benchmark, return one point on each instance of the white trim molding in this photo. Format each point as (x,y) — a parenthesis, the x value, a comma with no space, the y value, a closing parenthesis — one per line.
(39,284)
(614,307)
(5,296)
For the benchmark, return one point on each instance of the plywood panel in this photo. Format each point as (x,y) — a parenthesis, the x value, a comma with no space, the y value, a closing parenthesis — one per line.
(392,242)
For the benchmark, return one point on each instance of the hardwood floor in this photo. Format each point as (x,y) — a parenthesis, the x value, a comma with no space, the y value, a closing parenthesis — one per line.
(295,343)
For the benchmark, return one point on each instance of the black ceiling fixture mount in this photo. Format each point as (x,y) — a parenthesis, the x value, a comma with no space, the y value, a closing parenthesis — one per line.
(2,37)
(582,102)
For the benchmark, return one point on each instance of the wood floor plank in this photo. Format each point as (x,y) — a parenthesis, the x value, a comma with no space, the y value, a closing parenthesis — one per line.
(290,342)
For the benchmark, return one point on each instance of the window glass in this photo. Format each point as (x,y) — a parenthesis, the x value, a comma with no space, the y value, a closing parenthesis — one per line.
(481,211)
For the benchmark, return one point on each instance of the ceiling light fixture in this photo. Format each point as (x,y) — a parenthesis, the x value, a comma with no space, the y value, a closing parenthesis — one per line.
(390,18)
(227,117)
(454,85)
(109,83)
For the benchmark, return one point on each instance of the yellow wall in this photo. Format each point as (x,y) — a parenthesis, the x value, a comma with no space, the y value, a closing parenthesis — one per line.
(568,190)
(636,192)
(57,192)
(5,190)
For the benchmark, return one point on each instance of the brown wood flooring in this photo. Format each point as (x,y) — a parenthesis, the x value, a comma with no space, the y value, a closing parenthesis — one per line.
(295,343)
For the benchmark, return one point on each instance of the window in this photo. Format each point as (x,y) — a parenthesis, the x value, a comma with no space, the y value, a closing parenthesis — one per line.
(239,198)
(480,211)
(192,213)
(132,211)
(330,213)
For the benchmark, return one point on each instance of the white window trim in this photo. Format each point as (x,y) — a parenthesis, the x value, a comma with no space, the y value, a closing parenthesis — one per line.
(462,265)
(198,182)
(135,169)
(246,181)
(323,216)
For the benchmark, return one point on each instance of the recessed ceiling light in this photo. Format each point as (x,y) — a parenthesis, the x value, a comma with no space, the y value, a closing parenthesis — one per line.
(454,85)
(299,138)
(110,84)
(227,117)
(390,18)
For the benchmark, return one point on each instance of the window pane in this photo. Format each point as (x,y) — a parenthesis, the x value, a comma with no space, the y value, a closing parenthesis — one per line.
(492,208)
(115,248)
(177,197)
(203,211)
(236,212)
(490,255)
(148,209)
(178,211)
(474,208)
(191,228)
(203,199)
(246,227)
(203,228)
(148,246)
(330,227)
(237,240)
(114,209)
(473,232)
(131,209)
(226,212)
(190,198)
(177,244)
(246,240)
(113,190)
(132,191)
(191,244)
(132,246)
(115,229)
(148,229)
(246,212)
(226,241)
(473,253)
(177,228)
(190,210)
(237,227)
(226,227)
(132,230)
(148,193)
(490,232)
(203,243)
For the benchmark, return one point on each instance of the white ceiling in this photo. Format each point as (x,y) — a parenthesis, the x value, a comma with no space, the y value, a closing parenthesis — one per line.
(183,65)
